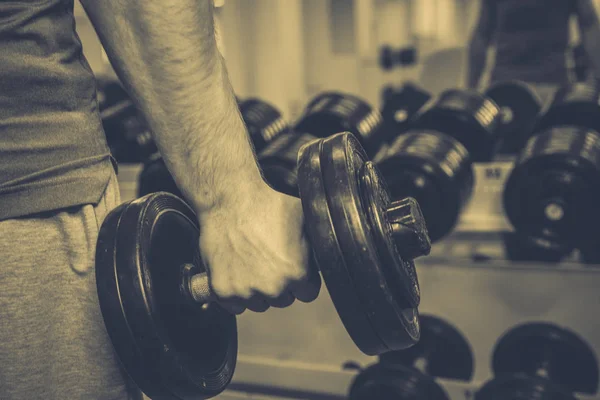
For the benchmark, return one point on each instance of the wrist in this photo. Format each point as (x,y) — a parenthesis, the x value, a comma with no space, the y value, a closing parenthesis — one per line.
(237,192)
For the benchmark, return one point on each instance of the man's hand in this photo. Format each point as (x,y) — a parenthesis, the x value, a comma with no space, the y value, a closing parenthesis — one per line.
(256,251)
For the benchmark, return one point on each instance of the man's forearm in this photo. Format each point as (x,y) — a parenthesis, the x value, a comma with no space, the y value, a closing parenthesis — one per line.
(166,55)
(476,59)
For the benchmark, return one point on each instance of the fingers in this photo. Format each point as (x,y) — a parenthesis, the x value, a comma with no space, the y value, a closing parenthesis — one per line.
(308,286)
(284,300)
(232,307)
(257,303)
(278,288)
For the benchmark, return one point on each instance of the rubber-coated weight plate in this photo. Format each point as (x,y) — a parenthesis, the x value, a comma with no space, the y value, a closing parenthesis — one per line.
(399,272)
(442,349)
(399,108)
(394,382)
(436,170)
(577,104)
(467,116)
(553,190)
(520,107)
(334,112)
(278,161)
(171,348)
(387,58)
(110,92)
(263,120)
(567,359)
(155,177)
(521,387)
(393,313)
(590,252)
(534,249)
(328,254)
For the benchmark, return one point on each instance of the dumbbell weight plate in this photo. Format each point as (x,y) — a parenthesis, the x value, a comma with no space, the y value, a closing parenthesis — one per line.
(520,107)
(467,116)
(329,256)
(109,93)
(554,189)
(590,252)
(445,351)
(264,122)
(399,108)
(394,382)
(387,58)
(574,105)
(433,168)
(534,249)
(521,387)
(388,291)
(171,348)
(155,177)
(278,161)
(334,112)
(568,359)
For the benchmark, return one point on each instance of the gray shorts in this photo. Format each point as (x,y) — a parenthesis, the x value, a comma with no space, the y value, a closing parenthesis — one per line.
(53,344)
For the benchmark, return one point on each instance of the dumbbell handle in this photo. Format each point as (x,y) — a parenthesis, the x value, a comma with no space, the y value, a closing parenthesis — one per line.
(199,288)
(408,230)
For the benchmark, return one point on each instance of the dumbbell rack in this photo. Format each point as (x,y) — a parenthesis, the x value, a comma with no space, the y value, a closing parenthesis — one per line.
(304,352)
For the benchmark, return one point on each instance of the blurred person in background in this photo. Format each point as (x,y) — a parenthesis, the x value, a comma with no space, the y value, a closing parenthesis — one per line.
(532,43)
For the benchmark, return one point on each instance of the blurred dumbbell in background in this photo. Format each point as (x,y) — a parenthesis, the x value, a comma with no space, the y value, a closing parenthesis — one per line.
(442,352)
(553,191)
(399,107)
(327,114)
(540,361)
(433,160)
(126,131)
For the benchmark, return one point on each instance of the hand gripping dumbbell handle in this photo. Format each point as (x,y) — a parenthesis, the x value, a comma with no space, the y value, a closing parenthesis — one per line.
(408,229)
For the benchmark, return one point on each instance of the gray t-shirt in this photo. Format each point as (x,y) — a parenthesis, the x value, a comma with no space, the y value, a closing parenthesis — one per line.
(53,151)
(532,40)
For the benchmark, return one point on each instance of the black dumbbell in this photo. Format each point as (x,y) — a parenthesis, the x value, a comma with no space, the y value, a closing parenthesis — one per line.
(554,188)
(263,122)
(540,361)
(390,57)
(127,133)
(519,247)
(109,92)
(576,104)
(325,115)
(589,253)
(442,352)
(176,343)
(387,58)
(520,107)
(433,160)
(400,106)
(409,374)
